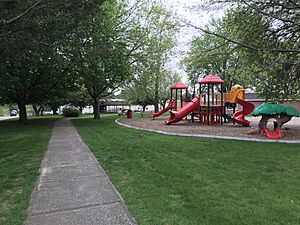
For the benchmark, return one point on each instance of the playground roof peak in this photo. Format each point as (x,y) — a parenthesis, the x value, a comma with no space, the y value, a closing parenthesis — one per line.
(211,79)
(179,85)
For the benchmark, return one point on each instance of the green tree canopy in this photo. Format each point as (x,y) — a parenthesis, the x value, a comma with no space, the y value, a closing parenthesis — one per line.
(212,54)
(35,62)
(258,42)
(106,46)
(150,70)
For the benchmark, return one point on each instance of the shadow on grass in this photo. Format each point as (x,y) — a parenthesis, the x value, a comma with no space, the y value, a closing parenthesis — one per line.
(22,147)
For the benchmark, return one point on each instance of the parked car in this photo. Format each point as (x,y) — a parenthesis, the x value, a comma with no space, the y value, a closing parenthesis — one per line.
(122,112)
(13,113)
(47,113)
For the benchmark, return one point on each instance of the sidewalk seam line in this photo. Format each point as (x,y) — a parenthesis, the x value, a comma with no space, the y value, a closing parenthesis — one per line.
(72,209)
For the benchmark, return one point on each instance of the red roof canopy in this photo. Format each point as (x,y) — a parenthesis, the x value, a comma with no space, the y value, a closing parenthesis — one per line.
(211,79)
(179,85)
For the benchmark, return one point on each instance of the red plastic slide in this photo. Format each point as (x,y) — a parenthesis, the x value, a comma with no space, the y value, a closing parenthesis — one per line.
(170,106)
(275,134)
(239,116)
(176,116)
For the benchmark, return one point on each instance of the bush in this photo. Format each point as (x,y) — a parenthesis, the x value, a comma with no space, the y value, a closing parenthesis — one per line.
(71,112)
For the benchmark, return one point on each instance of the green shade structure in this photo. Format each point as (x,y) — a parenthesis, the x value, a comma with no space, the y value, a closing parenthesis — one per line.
(291,111)
(275,109)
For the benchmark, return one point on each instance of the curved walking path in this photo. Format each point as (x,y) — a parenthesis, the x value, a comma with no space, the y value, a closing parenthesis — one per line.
(72,188)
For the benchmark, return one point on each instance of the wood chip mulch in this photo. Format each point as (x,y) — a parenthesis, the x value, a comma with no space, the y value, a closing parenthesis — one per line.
(290,131)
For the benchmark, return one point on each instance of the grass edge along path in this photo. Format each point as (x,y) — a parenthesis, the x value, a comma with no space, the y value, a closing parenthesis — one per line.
(180,180)
(22,148)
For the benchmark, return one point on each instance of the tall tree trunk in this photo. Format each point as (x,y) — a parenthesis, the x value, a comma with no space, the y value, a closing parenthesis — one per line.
(156,106)
(96,106)
(144,107)
(54,109)
(35,109)
(163,103)
(81,108)
(156,101)
(40,110)
(22,112)
(156,93)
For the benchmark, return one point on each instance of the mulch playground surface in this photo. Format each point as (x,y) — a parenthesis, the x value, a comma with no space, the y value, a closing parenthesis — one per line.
(290,130)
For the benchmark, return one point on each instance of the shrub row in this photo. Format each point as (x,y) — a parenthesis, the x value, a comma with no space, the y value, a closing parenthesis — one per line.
(71,112)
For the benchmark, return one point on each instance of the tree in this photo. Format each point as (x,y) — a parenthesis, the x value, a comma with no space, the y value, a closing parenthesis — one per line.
(275,75)
(283,15)
(211,54)
(161,40)
(29,20)
(103,52)
(149,69)
(264,45)
(168,78)
(80,98)
(34,63)
(139,92)
(120,43)
(33,79)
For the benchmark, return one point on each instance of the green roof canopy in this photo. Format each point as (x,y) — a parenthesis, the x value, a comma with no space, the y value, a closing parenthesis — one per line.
(291,111)
(275,109)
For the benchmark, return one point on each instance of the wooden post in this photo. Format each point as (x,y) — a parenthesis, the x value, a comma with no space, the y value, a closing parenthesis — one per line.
(234,106)
(212,95)
(208,116)
(186,94)
(180,98)
(222,105)
(176,100)
(200,110)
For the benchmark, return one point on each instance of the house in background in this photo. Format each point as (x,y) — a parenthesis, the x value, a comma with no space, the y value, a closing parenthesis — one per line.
(257,101)
(115,105)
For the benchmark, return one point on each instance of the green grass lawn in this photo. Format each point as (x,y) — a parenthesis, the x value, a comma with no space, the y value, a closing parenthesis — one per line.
(4,109)
(21,151)
(177,180)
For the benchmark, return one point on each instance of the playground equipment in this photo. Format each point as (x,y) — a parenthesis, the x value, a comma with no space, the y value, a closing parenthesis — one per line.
(237,95)
(175,103)
(210,108)
(179,86)
(275,134)
(176,116)
(275,113)
(170,106)
(211,101)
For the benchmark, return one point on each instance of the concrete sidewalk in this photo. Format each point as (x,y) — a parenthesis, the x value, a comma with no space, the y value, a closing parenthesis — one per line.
(72,188)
